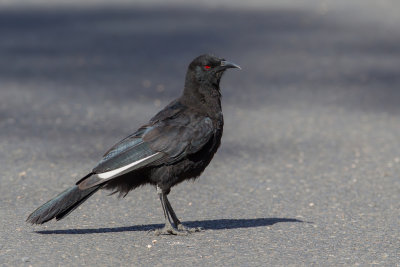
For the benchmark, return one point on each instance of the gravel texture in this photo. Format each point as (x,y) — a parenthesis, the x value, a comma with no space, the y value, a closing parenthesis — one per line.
(309,168)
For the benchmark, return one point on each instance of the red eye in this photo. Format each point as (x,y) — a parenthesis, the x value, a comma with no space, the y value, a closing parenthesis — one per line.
(207,67)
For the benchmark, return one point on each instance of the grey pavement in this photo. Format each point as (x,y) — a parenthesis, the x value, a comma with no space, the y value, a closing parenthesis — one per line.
(309,168)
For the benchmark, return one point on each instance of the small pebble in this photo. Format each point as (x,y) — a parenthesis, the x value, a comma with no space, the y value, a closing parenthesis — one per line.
(157,102)
(160,88)
(149,246)
(146,83)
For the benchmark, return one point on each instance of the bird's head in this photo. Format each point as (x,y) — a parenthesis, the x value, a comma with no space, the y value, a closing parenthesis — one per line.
(208,70)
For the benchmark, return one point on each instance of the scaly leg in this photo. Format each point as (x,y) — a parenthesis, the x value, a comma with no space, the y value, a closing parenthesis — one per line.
(168,229)
(177,222)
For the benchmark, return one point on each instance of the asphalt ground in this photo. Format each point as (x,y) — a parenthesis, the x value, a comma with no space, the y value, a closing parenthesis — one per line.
(309,168)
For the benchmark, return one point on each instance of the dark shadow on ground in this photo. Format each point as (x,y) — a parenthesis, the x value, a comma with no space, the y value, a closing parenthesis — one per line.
(221,224)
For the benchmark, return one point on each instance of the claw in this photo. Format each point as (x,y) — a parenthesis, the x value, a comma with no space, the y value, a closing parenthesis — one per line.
(170,231)
(181,227)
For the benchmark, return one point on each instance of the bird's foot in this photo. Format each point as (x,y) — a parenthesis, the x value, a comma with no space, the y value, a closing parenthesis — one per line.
(169,230)
(181,227)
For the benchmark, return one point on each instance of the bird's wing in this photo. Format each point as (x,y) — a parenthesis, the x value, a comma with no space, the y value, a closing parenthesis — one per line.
(128,155)
(169,112)
(164,141)
(131,153)
(184,134)
(168,138)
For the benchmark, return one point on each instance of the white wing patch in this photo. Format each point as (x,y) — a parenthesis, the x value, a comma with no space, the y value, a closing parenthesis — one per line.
(124,169)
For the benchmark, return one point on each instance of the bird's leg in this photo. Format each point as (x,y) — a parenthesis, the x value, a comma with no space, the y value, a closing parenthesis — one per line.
(177,222)
(168,229)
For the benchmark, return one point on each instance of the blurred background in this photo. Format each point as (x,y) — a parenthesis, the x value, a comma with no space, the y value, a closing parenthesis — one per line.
(312,127)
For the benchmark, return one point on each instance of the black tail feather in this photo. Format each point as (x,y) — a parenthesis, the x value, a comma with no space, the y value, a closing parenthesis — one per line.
(61,205)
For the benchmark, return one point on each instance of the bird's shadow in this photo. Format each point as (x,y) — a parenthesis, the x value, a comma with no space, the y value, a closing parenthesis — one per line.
(220,224)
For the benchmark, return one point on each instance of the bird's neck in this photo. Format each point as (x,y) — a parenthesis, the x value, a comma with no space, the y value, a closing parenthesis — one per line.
(204,97)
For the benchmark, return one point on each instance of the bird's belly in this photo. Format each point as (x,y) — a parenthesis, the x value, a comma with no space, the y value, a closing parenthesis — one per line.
(170,175)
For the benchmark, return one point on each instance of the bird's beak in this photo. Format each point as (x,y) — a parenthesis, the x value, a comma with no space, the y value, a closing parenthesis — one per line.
(228,65)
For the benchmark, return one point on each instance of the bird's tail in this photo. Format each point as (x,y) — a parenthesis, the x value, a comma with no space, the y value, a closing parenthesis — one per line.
(61,205)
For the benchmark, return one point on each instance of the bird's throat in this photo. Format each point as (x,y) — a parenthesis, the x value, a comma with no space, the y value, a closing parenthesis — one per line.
(203,97)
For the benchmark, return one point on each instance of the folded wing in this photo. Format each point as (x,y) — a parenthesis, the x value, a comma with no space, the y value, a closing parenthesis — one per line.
(164,141)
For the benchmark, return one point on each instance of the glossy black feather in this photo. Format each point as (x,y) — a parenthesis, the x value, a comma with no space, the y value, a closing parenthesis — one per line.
(124,153)
(177,144)
(184,134)
(61,205)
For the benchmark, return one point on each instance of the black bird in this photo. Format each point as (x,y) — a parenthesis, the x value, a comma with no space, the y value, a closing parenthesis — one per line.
(177,144)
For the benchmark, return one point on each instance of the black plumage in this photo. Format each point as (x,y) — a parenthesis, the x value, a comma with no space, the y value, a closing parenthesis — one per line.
(177,144)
